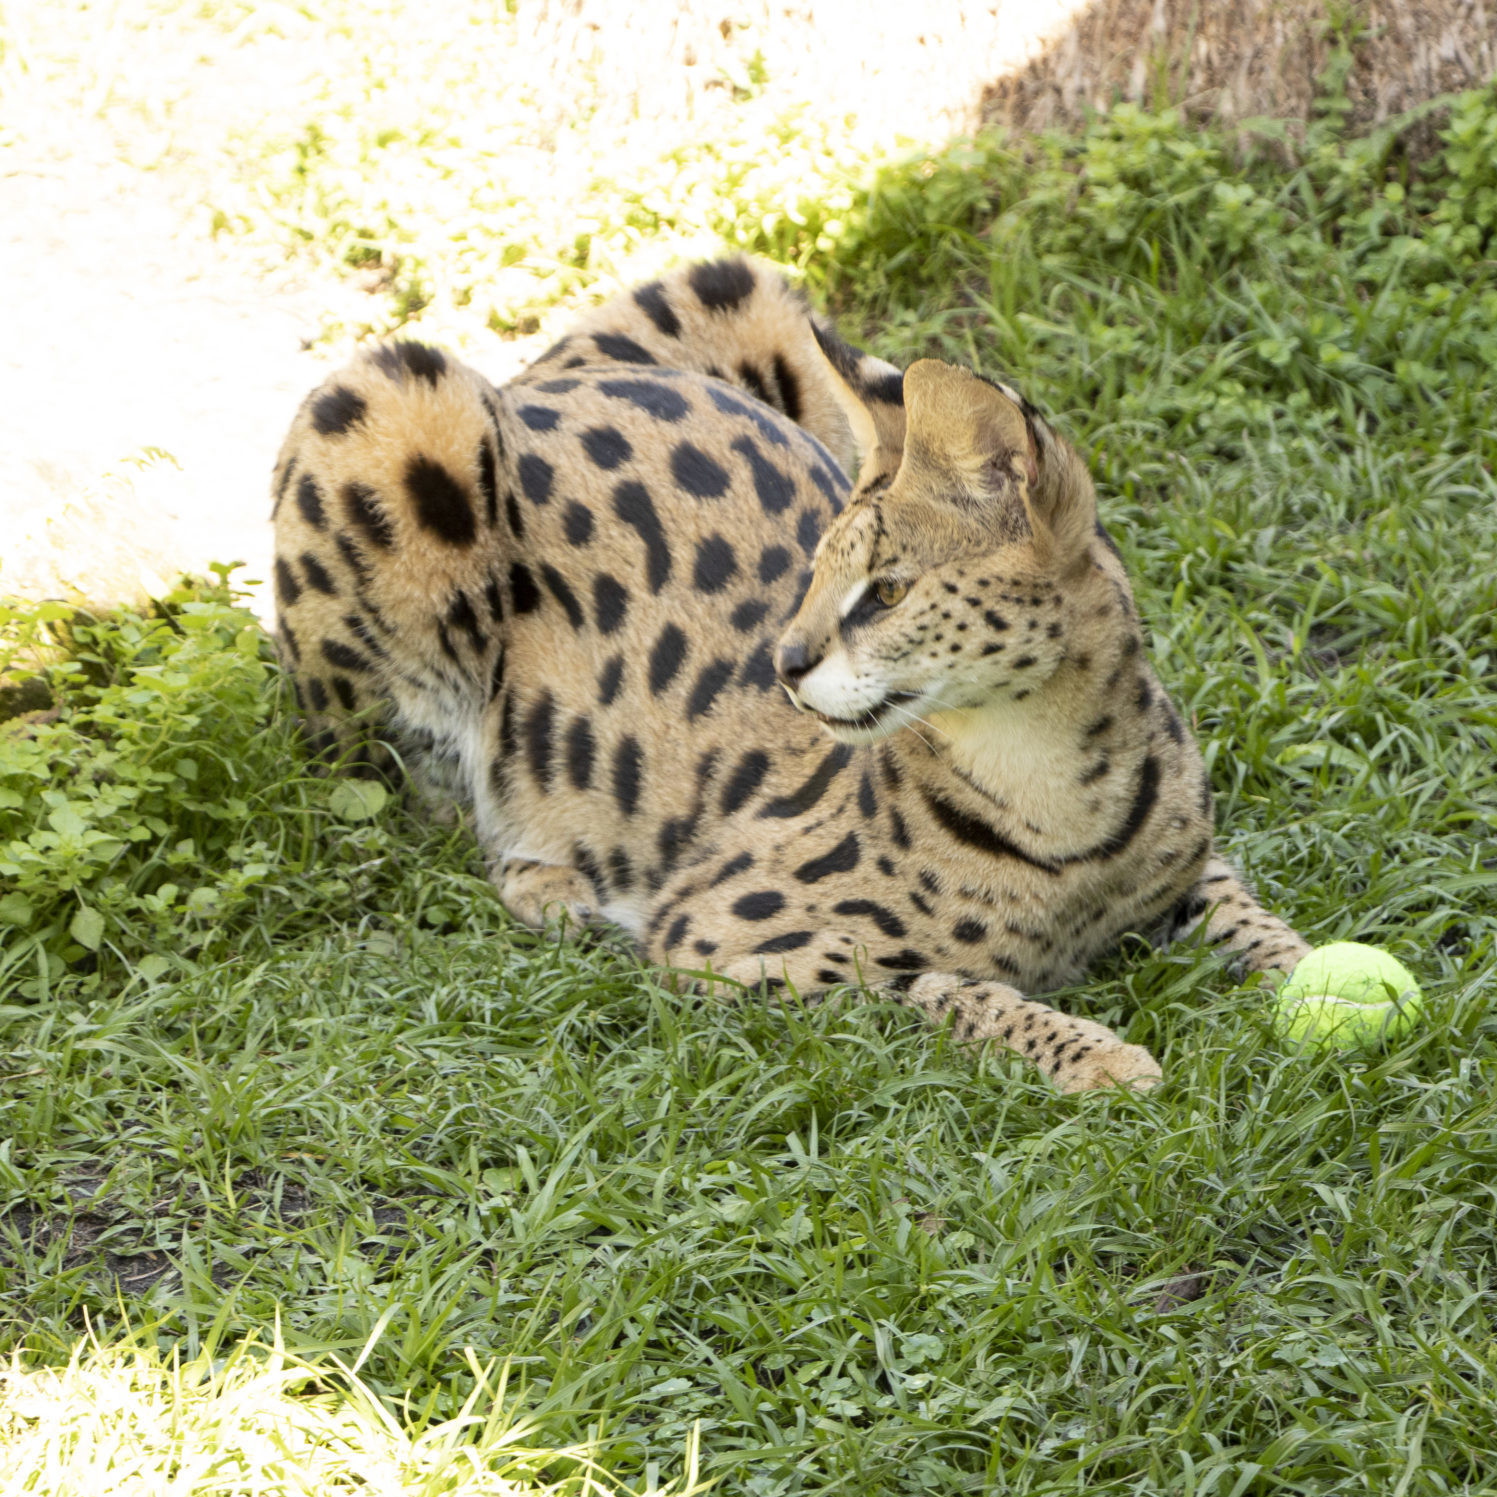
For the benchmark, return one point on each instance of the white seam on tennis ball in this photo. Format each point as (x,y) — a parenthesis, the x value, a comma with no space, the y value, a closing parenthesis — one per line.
(1344,1002)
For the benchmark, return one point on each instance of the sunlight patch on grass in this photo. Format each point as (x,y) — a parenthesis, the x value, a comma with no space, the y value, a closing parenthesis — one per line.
(127,1419)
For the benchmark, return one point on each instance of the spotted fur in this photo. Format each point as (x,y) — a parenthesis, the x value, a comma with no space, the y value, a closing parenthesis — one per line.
(572,604)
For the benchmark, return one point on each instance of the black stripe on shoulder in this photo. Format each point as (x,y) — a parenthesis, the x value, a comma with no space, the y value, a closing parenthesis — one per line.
(1138,813)
(801,799)
(976,832)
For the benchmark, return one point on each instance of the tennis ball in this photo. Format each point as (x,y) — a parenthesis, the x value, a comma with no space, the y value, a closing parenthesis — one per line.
(1345,995)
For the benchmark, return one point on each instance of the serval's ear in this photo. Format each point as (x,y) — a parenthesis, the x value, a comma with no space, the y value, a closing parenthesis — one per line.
(982,446)
(871,395)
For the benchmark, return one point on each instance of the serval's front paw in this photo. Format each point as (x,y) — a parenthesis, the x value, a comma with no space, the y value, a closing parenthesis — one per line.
(544,895)
(1109,1065)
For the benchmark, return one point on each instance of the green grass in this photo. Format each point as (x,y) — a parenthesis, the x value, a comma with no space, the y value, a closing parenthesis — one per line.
(275,1056)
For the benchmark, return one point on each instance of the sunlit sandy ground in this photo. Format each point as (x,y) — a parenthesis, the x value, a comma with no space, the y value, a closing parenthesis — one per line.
(149,365)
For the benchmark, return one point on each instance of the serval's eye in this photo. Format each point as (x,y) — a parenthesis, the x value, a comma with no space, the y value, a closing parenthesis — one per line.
(889,592)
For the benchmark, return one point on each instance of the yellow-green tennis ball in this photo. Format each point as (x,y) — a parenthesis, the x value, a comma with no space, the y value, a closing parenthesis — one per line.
(1345,995)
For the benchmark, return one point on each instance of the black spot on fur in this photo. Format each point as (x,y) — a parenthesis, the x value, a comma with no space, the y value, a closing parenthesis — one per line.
(506,737)
(557,386)
(968,931)
(696,473)
(756,382)
(562,592)
(609,679)
(716,565)
(539,417)
(633,505)
(886,920)
(628,760)
(338,654)
(732,405)
(1187,911)
(760,905)
(1091,775)
(620,870)
(610,602)
(317,575)
(732,868)
(287,588)
(784,377)
(353,557)
(774,562)
(587,865)
(748,615)
(318,692)
(748,774)
(513,516)
(577,524)
(625,350)
(758,669)
(790,940)
(417,359)
(309,502)
(441,505)
(606,446)
(898,830)
(280,489)
(487,485)
(808,530)
(496,675)
(538,731)
(660,401)
(867,803)
(651,300)
(522,589)
(721,285)
(536,475)
(678,928)
(335,412)
(580,749)
(460,615)
(903,961)
(667,656)
(843,858)
(833,485)
(491,408)
(806,795)
(709,683)
(347,697)
(775,490)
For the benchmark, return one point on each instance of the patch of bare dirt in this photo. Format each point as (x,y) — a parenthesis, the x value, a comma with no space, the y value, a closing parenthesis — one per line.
(1238,60)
